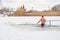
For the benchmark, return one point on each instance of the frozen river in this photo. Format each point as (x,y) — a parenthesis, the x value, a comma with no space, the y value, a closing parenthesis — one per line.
(30,20)
(12,28)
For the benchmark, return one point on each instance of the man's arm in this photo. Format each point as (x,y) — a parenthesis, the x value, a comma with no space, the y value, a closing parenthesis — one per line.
(38,22)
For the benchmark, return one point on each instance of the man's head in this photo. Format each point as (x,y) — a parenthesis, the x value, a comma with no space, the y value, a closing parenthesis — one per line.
(42,16)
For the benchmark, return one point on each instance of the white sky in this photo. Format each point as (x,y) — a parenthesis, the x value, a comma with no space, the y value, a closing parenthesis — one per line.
(29,4)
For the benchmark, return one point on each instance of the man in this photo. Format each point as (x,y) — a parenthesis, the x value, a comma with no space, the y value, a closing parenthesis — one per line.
(42,20)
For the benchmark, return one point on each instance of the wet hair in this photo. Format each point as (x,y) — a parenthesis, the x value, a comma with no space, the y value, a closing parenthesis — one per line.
(42,16)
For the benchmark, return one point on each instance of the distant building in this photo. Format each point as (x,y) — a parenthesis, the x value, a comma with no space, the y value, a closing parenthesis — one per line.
(56,8)
(19,12)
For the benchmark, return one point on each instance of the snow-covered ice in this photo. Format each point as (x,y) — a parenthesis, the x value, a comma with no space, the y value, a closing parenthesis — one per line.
(10,29)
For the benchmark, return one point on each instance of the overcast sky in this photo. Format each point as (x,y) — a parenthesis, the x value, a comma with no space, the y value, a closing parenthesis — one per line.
(31,4)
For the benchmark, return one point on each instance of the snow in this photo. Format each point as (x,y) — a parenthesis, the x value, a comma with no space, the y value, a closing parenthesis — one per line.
(12,28)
